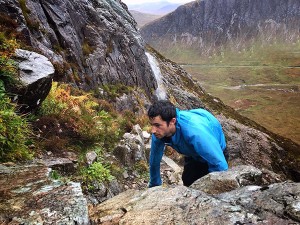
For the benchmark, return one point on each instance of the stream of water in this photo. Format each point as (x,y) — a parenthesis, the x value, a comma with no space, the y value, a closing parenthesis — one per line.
(160,92)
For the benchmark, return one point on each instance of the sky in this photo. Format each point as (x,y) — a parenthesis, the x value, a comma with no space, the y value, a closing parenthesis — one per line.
(142,1)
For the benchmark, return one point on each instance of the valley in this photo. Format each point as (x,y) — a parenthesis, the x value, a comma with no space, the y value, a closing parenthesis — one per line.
(265,90)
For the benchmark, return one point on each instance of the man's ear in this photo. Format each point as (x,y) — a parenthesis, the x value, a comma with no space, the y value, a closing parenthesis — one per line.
(173,120)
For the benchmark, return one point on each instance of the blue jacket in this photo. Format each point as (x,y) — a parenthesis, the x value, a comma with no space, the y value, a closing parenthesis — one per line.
(198,135)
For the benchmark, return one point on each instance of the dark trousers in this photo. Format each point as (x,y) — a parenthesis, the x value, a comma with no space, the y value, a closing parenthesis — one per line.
(193,170)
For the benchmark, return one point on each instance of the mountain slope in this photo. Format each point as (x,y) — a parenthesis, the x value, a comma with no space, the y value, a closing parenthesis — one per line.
(143,18)
(208,26)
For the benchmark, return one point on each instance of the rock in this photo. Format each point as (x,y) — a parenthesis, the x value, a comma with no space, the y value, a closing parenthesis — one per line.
(173,176)
(182,205)
(146,135)
(64,166)
(125,175)
(102,191)
(91,157)
(28,196)
(103,47)
(131,148)
(36,73)
(233,178)
(276,200)
(293,210)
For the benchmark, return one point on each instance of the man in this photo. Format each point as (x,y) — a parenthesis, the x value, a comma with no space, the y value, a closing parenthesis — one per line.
(195,133)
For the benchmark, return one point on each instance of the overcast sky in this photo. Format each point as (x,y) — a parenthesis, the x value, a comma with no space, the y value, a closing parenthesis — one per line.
(142,1)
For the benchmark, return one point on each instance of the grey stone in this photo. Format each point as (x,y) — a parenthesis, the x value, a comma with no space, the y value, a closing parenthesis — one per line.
(91,157)
(36,73)
(182,205)
(32,198)
(233,178)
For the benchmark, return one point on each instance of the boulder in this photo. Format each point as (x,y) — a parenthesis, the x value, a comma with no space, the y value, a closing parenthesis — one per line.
(131,148)
(35,76)
(233,178)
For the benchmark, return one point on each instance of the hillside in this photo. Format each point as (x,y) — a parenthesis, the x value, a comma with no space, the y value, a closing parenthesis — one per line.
(210,26)
(143,18)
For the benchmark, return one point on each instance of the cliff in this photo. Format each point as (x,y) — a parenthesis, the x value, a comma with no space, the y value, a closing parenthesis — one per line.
(91,43)
(212,25)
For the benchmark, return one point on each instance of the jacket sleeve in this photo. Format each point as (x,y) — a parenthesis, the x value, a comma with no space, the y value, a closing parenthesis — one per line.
(208,147)
(156,153)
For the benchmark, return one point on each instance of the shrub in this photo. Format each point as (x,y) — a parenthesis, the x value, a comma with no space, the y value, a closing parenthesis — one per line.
(14,131)
(14,128)
(8,70)
(96,172)
(90,122)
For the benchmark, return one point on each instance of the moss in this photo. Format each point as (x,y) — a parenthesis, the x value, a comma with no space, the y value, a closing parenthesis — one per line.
(86,48)
(109,48)
(112,91)
(34,25)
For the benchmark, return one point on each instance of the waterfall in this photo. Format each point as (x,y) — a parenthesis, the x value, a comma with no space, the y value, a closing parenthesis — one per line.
(160,92)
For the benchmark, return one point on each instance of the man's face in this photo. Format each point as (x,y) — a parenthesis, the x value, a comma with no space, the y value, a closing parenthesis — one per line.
(161,129)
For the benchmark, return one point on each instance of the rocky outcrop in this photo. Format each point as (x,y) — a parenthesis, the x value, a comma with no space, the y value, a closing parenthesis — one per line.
(35,79)
(212,25)
(277,203)
(29,196)
(90,43)
(236,177)
(131,149)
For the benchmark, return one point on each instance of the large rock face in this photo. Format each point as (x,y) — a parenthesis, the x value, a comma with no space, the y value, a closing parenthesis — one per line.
(209,25)
(275,204)
(91,43)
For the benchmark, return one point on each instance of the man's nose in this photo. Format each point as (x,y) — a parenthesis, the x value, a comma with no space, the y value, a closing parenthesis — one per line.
(153,130)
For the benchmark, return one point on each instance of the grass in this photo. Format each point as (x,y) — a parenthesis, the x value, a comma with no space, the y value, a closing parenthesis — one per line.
(274,105)
(15,132)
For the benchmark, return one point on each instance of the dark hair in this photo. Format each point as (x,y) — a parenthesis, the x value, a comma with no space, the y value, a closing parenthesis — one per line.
(163,108)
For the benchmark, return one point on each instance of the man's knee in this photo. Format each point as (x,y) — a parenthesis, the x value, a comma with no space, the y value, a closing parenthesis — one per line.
(193,170)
